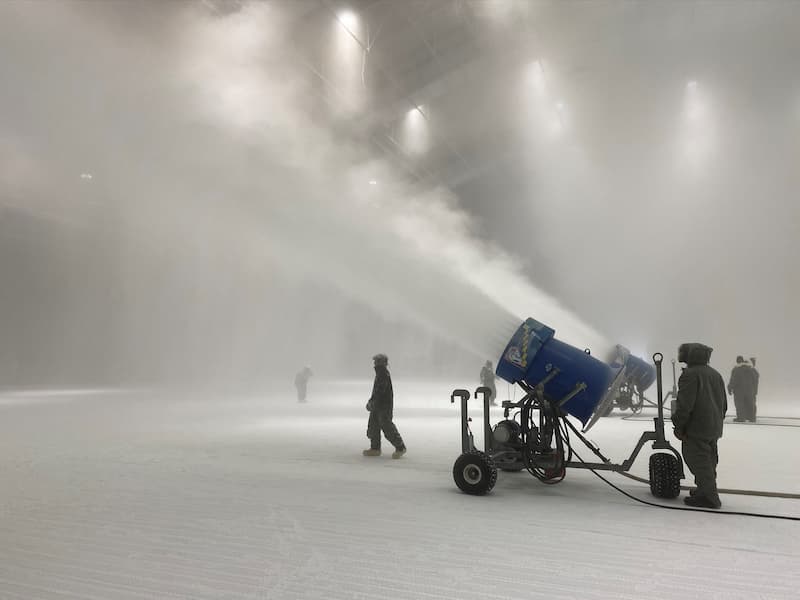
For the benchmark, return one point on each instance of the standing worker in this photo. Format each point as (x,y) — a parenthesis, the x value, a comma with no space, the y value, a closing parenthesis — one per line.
(743,385)
(698,417)
(380,406)
(755,392)
(487,380)
(301,383)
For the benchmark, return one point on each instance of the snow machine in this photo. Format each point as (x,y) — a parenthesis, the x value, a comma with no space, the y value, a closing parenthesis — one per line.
(638,375)
(559,381)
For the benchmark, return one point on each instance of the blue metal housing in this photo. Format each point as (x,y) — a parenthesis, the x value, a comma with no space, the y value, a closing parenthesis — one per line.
(534,352)
(640,373)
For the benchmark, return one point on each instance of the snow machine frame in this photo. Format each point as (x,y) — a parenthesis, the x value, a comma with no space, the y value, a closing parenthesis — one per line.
(543,447)
(628,398)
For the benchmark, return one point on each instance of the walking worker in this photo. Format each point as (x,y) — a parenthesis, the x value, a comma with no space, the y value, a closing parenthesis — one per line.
(380,406)
(697,419)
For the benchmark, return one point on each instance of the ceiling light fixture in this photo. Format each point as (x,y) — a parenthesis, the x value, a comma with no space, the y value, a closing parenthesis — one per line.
(348,18)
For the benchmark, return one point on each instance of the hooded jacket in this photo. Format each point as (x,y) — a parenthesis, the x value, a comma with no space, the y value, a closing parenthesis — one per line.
(382,396)
(701,404)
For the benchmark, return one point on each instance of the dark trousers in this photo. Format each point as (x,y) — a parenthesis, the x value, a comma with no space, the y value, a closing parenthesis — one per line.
(380,419)
(745,406)
(701,457)
(493,394)
(301,392)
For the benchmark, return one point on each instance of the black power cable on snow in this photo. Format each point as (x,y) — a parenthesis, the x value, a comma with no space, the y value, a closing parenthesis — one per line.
(708,510)
(725,491)
(637,417)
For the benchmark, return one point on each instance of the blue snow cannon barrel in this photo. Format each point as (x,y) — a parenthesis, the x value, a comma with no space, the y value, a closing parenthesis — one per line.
(640,373)
(534,352)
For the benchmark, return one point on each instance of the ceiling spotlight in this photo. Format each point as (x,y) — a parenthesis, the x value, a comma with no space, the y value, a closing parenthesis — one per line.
(349,19)
(86,176)
(373,182)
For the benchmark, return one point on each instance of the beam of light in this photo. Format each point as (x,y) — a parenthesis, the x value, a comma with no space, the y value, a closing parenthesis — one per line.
(347,68)
(415,131)
(535,76)
(696,133)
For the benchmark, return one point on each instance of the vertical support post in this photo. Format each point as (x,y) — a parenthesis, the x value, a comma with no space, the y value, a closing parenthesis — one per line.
(674,382)
(659,420)
(466,434)
(488,438)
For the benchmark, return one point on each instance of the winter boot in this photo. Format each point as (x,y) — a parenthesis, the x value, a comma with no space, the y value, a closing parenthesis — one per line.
(372,452)
(701,502)
(398,453)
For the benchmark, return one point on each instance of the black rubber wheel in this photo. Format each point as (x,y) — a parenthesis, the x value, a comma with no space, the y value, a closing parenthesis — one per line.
(665,476)
(475,473)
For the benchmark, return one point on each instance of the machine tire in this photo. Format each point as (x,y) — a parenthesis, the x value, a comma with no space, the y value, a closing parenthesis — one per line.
(665,476)
(475,473)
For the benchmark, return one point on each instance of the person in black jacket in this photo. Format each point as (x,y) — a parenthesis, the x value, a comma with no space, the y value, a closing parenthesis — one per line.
(697,420)
(743,384)
(756,377)
(380,406)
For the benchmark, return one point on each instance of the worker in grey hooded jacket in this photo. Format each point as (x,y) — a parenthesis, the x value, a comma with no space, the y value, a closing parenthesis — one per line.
(697,420)
(380,406)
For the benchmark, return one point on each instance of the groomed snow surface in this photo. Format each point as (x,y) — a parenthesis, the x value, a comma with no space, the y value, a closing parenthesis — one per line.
(108,495)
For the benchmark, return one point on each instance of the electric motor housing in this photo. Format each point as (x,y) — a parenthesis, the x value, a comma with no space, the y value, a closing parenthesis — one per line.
(507,433)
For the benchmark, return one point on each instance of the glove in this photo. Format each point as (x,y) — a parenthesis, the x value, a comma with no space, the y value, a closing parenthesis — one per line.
(369,405)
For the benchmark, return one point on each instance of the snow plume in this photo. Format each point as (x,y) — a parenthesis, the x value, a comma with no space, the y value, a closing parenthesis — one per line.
(407,250)
(208,154)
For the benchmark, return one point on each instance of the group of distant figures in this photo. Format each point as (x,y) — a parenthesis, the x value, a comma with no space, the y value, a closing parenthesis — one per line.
(743,385)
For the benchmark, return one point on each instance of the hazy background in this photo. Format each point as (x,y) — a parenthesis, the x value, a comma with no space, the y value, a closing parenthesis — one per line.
(222,192)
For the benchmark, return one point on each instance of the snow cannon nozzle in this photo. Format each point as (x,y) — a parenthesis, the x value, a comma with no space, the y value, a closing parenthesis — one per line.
(570,377)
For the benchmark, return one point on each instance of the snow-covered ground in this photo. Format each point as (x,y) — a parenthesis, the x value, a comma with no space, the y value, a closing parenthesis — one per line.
(165,495)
